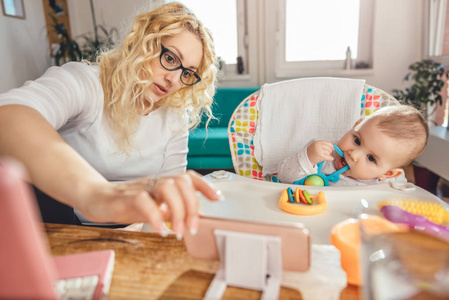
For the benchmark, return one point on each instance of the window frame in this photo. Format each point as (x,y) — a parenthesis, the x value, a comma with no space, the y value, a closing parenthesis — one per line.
(247,47)
(231,69)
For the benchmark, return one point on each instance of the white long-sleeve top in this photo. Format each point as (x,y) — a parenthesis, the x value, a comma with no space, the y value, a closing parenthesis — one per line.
(71,99)
(298,166)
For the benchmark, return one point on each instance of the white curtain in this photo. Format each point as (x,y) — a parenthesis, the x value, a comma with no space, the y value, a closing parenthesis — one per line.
(437,18)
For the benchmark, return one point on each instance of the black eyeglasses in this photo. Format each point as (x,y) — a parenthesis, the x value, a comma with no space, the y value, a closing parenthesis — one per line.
(171,62)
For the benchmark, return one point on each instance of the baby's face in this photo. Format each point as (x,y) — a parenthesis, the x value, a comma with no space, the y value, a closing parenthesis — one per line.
(368,152)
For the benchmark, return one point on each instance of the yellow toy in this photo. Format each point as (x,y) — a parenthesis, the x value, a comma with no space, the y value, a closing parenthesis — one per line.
(292,203)
(433,211)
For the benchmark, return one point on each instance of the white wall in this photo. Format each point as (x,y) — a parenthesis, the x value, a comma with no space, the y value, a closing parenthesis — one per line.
(108,13)
(398,41)
(23,46)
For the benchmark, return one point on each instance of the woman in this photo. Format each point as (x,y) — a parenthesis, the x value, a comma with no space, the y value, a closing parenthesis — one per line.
(80,126)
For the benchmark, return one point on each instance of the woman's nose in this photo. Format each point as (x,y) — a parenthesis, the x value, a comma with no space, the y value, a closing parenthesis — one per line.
(173,77)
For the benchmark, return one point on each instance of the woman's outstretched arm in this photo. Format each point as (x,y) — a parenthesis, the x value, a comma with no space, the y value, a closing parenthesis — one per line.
(58,170)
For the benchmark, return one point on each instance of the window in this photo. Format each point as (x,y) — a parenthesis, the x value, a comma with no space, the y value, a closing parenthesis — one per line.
(308,36)
(222,21)
(283,39)
(313,36)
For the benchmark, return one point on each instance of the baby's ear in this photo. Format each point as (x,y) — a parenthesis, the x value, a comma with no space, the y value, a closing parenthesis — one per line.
(391,174)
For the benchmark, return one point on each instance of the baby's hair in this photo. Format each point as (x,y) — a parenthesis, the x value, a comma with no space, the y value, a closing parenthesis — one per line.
(406,124)
(125,72)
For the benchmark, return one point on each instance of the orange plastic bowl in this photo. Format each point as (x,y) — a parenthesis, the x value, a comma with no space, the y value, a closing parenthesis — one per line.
(345,236)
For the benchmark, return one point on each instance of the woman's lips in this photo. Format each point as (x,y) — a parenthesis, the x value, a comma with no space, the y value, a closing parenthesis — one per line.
(160,89)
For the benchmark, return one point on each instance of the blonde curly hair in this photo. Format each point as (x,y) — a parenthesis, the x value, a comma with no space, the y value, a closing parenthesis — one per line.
(125,72)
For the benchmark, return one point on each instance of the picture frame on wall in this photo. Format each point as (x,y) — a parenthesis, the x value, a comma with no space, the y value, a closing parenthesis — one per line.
(13,8)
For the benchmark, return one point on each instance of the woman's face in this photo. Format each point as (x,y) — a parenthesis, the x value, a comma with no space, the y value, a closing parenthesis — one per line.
(189,49)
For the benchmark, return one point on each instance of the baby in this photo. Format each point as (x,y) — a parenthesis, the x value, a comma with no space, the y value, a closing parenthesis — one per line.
(375,149)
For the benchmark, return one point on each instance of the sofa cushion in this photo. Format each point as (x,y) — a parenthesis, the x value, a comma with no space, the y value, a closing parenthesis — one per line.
(210,162)
(210,149)
(214,142)
(225,102)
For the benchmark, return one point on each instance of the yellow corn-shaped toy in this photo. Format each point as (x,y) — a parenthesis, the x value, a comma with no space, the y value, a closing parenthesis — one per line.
(433,211)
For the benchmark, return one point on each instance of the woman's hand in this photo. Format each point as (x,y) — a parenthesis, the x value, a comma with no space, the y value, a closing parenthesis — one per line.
(319,151)
(151,200)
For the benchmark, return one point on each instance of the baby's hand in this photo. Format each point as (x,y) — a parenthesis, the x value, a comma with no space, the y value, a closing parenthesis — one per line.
(319,151)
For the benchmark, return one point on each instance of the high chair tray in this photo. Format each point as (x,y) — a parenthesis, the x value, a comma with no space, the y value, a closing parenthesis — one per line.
(253,200)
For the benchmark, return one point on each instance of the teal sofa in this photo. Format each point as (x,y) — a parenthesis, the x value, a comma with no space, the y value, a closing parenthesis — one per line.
(213,152)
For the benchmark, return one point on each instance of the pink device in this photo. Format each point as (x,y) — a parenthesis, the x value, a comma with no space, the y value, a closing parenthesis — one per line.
(252,255)
(27,269)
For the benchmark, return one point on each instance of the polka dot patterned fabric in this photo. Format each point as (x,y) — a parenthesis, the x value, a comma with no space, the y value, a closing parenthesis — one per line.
(373,99)
(242,127)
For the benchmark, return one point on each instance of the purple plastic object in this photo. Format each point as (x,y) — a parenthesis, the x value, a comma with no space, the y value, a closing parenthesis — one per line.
(396,214)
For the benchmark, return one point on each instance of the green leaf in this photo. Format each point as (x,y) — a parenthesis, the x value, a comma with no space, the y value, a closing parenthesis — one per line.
(428,79)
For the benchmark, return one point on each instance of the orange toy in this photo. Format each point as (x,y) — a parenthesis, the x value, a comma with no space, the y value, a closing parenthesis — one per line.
(297,208)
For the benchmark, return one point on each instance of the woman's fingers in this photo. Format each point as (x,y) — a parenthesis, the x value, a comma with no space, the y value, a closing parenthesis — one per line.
(148,211)
(206,188)
(141,201)
(180,194)
(125,202)
(166,190)
(188,193)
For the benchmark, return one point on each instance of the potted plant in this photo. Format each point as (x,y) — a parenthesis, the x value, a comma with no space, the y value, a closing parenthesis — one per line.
(428,79)
(93,46)
(68,50)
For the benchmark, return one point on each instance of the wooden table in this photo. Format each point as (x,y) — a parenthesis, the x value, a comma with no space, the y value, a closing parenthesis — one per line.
(148,266)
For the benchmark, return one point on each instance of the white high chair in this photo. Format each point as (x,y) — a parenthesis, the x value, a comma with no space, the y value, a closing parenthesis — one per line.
(257,201)
(241,128)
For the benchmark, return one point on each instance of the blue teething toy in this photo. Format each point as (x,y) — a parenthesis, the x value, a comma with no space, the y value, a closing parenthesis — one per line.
(320,178)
